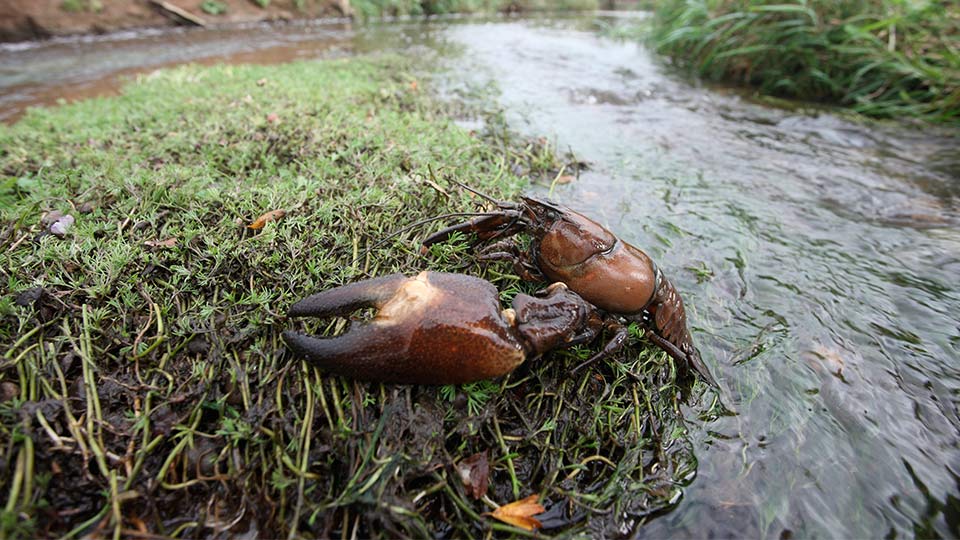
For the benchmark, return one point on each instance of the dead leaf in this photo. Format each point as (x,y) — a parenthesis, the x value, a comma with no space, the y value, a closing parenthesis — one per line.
(565,179)
(168,243)
(475,474)
(261,82)
(520,513)
(272,215)
(826,357)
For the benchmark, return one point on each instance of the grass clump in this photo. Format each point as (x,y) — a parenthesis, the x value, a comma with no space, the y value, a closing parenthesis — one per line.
(883,58)
(144,387)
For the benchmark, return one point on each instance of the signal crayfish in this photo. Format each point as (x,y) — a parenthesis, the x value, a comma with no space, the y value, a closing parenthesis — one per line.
(439,328)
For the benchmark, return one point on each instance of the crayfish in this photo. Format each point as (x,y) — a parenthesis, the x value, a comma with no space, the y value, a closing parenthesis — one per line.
(568,247)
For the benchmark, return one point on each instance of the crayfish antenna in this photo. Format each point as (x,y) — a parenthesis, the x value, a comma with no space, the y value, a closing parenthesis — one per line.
(398,232)
(482,195)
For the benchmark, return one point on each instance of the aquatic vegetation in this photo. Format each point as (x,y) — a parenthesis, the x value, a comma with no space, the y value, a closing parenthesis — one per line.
(883,58)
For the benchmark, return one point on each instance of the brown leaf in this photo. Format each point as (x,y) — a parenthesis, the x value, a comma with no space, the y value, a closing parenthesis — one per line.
(520,513)
(475,474)
(565,179)
(272,215)
(168,243)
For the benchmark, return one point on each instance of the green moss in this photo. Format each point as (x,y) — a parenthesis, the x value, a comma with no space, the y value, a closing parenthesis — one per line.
(143,371)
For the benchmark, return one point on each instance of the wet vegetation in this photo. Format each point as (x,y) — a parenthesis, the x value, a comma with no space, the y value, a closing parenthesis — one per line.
(885,58)
(144,387)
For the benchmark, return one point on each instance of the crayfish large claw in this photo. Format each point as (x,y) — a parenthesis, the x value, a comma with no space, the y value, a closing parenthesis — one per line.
(348,298)
(359,352)
(434,328)
(439,328)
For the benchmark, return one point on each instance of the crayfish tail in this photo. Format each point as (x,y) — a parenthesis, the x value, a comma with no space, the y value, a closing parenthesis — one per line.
(669,321)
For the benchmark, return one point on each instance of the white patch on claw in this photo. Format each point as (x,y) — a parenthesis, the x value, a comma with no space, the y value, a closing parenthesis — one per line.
(411,299)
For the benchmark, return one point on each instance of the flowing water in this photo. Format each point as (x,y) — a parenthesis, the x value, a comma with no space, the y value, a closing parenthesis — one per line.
(819,255)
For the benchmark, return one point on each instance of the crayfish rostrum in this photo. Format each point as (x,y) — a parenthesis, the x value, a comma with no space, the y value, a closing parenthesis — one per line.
(606,271)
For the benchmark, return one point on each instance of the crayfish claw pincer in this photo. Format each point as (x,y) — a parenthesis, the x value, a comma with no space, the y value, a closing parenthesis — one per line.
(437,328)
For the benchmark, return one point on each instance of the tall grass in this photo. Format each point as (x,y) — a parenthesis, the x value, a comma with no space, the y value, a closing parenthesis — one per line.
(883,58)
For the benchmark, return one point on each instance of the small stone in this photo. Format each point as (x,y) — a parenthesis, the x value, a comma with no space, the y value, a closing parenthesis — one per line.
(61,226)
(29,296)
(8,391)
(198,345)
(51,217)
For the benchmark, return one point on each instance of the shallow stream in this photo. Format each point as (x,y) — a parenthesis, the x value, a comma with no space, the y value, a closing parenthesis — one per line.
(819,255)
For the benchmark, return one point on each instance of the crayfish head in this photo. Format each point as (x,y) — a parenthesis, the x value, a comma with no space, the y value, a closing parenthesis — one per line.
(567,239)
(541,214)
